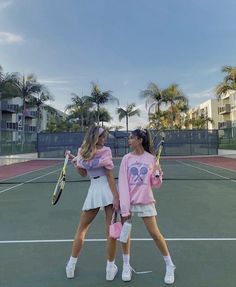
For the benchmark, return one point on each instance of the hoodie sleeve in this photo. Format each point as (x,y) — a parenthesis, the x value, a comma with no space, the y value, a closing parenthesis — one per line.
(123,185)
(78,160)
(106,160)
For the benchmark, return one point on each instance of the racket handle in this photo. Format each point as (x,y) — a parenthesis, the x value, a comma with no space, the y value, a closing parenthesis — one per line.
(157,173)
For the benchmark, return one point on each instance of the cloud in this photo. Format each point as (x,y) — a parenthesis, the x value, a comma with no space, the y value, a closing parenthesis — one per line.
(54,81)
(209,93)
(10,38)
(212,70)
(4,4)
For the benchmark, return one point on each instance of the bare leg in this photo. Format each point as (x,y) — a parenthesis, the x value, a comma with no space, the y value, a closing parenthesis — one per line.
(111,243)
(154,231)
(85,220)
(127,271)
(151,225)
(125,246)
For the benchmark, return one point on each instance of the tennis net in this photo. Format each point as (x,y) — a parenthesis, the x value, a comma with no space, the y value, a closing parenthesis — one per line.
(37,170)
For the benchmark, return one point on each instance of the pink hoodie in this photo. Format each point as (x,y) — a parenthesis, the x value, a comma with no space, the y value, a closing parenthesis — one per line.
(136,179)
(96,166)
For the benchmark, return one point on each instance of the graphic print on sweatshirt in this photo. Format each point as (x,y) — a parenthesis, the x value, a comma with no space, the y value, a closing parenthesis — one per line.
(93,163)
(138,173)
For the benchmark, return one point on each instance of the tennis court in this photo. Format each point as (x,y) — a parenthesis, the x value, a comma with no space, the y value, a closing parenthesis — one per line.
(197,214)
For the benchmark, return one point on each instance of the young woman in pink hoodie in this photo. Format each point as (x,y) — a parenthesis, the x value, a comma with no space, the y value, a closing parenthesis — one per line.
(137,177)
(94,159)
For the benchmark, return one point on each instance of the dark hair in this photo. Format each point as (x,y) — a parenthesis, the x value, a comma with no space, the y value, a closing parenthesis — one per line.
(144,134)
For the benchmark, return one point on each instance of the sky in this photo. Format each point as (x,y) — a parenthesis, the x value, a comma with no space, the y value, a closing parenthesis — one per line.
(122,45)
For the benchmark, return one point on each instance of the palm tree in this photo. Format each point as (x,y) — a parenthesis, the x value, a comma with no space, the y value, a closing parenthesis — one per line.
(154,97)
(159,120)
(58,125)
(26,88)
(128,112)
(99,98)
(39,101)
(104,116)
(7,90)
(229,83)
(79,108)
(174,97)
(201,122)
(6,84)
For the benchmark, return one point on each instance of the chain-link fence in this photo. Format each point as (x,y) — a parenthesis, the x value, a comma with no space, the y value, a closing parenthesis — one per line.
(183,142)
(12,142)
(227,138)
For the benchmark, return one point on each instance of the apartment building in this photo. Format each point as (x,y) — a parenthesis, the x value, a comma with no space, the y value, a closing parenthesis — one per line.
(11,118)
(207,109)
(227,110)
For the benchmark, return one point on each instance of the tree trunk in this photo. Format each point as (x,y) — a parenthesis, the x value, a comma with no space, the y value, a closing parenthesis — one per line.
(127,131)
(23,125)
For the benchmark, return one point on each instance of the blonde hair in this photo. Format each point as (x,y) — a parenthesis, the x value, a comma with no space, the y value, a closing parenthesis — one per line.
(88,147)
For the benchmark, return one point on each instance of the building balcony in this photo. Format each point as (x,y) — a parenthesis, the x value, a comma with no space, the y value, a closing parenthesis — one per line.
(30,114)
(30,129)
(9,108)
(9,126)
(224,109)
(225,96)
(6,126)
(224,125)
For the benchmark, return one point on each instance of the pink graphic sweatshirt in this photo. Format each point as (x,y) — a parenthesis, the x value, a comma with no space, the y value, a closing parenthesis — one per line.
(96,166)
(136,179)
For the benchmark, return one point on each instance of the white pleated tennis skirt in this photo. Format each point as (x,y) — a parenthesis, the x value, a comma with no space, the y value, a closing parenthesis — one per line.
(99,194)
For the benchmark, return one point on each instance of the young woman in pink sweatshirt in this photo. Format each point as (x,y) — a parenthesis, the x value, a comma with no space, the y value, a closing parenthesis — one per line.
(137,177)
(94,159)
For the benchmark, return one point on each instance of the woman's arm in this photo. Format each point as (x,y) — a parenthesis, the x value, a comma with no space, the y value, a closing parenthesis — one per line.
(73,158)
(124,189)
(82,171)
(112,184)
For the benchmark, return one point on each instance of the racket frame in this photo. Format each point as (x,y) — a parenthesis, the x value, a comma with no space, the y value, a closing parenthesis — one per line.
(60,183)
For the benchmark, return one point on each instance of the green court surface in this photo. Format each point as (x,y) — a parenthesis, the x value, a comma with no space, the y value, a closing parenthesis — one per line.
(196,213)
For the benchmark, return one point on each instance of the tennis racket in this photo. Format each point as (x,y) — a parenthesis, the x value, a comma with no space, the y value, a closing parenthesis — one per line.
(60,183)
(159,150)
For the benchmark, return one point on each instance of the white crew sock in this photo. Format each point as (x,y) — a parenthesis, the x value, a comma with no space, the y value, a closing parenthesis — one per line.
(110,263)
(126,259)
(72,260)
(168,260)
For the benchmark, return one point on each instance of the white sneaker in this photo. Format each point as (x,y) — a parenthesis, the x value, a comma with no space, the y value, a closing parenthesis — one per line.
(70,271)
(170,274)
(126,273)
(111,272)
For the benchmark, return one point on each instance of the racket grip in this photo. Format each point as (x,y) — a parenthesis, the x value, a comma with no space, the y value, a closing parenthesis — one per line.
(157,173)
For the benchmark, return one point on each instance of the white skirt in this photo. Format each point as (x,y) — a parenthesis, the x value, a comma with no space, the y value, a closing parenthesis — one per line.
(99,194)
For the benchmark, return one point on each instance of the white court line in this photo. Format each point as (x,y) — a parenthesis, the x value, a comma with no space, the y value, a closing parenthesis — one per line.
(20,184)
(104,239)
(206,170)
